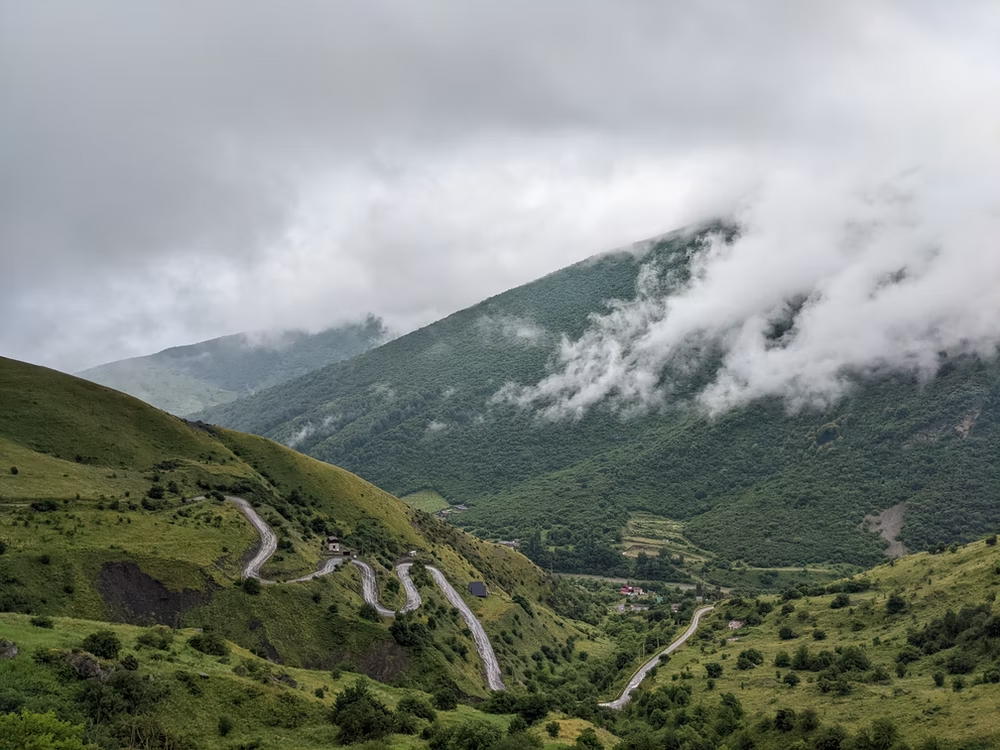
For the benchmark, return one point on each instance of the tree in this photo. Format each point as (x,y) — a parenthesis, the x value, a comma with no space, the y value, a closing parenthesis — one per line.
(360,715)
(225,725)
(782,659)
(209,643)
(251,586)
(517,725)
(786,633)
(714,670)
(103,643)
(553,729)
(784,720)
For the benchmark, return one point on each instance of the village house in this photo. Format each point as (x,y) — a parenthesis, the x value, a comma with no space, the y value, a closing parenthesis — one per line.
(333,544)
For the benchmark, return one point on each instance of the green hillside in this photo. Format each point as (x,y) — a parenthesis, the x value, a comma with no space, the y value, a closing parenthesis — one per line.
(186,379)
(98,522)
(759,484)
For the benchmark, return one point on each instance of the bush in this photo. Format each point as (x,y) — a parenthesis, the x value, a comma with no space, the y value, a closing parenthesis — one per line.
(840,601)
(587,740)
(939,679)
(368,612)
(784,720)
(159,637)
(130,663)
(714,670)
(782,659)
(360,715)
(156,492)
(13,470)
(786,633)
(3,546)
(42,622)
(417,707)
(209,643)
(553,729)
(991,541)
(251,586)
(895,604)
(517,725)
(445,699)
(819,635)
(791,679)
(45,559)
(103,643)
(225,725)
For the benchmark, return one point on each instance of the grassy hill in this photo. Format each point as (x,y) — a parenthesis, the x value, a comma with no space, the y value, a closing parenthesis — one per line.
(98,521)
(914,645)
(758,484)
(186,379)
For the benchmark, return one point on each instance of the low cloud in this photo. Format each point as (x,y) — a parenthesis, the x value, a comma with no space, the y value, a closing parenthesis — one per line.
(511,329)
(825,282)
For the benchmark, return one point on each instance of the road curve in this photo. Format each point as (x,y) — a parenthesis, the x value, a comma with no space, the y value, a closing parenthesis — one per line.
(369,589)
(639,676)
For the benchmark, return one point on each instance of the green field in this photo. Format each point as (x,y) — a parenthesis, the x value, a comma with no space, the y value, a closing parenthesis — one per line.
(428,501)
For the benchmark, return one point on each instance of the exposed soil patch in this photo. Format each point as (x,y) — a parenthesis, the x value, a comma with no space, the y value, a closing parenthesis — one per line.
(889,523)
(139,599)
(965,426)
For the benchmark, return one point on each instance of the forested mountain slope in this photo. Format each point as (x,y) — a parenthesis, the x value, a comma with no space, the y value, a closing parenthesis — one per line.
(186,379)
(761,483)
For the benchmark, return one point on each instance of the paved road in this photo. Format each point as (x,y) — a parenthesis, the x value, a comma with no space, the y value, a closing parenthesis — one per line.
(369,589)
(639,676)
(490,664)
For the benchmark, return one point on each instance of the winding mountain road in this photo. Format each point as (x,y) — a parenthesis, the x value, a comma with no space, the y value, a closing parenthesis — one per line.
(369,589)
(644,670)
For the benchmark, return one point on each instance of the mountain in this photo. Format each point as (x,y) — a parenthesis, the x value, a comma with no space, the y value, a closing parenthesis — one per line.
(759,484)
(186,379)
(126,618)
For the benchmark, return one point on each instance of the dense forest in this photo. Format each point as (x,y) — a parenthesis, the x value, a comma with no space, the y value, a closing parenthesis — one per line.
(760,483)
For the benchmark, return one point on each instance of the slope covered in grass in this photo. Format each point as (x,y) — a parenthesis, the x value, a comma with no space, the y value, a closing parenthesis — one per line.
(113,510)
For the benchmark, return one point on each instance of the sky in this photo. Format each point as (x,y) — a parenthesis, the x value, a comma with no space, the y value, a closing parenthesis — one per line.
(171,172)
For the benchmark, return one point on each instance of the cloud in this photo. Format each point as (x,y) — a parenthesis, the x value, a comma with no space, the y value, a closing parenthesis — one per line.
(511,329)
(168,177)
(823,283)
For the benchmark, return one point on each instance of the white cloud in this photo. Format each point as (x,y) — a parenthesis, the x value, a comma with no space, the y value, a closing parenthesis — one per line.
(891,274)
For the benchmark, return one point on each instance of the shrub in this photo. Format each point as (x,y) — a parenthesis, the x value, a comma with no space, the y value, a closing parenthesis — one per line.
(225,725)
(819,635)
(360,715)
(553,729)
(13,470)
(958,683)
(3,546)
(251,586)
(130,663)
(42,622)
(786,633)
(991,541)
(517,725)
(445,699)
(103,643)
(939,679)
(45,506)
(895,604)
(159,637)
(791,679)
(368,612)
(714,670)
(782,659)
(840,601)
(784,720)
(588,740)
(209,643)
(45,559)
(416,706)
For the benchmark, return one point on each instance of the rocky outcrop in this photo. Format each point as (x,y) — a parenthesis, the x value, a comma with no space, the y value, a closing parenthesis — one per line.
(8,649)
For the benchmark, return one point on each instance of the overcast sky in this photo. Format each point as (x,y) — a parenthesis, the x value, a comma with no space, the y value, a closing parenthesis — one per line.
(174,171)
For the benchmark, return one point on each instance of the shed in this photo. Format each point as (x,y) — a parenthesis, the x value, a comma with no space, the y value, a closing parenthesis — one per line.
(478,588)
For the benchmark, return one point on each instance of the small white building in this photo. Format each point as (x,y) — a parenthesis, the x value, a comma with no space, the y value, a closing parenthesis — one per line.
(332,544)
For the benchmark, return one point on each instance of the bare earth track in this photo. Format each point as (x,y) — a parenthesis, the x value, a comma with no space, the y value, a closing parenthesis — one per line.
(369,589)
